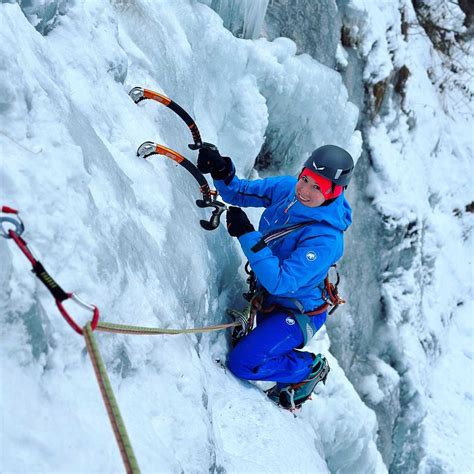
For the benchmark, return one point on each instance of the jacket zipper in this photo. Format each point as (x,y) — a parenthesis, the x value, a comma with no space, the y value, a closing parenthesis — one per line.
(292,203)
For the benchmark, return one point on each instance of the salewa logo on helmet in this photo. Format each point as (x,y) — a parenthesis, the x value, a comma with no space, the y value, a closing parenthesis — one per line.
(318,168)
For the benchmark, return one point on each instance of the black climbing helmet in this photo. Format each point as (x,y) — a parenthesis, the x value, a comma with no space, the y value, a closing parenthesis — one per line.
(332,162)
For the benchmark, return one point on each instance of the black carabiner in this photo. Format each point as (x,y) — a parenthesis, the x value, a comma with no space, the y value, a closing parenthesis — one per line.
(215,219)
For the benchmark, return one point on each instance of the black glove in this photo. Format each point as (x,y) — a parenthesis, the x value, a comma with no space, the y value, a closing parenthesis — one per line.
(237,222)
(210,161)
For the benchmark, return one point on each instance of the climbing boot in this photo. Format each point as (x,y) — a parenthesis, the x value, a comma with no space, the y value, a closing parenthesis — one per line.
(292,396)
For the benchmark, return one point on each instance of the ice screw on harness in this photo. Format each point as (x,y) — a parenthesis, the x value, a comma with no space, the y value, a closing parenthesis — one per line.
(330,293)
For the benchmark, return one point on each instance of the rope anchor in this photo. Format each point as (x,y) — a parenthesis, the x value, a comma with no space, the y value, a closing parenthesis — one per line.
(38,269)
(15,221)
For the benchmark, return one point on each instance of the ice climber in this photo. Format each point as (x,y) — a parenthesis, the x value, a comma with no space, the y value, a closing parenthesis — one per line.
(289,270)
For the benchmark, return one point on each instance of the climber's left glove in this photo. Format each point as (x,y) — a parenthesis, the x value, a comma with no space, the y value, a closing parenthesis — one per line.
(238,223)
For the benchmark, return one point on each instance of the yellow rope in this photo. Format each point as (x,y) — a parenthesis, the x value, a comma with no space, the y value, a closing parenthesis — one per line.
(110,402)
(126,329)
(113,411)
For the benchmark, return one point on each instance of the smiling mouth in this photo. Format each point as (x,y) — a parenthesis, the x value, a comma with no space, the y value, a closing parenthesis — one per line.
(301,198)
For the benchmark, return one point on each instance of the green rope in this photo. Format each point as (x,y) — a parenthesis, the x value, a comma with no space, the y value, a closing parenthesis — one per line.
(113,411)
(126,329)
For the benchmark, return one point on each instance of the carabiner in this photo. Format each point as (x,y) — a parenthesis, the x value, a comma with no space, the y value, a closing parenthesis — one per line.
(92,308)
(16,221)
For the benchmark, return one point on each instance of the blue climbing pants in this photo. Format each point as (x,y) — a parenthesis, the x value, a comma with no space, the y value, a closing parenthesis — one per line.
(268,352)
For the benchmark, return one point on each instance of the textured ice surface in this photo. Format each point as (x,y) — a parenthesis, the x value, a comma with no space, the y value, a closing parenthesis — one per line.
(314,26)
(243,17)
(124,235)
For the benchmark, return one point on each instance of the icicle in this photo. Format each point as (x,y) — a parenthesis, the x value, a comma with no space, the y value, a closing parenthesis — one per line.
(243,17)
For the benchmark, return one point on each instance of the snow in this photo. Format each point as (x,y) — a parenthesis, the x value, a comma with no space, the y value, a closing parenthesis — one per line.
(421,148)
(446,453)
(124,235)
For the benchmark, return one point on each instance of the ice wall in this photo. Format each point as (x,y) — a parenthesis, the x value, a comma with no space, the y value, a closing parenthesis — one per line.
(396,64)
(314,26)
(293,132)
(243,17)
(124,235)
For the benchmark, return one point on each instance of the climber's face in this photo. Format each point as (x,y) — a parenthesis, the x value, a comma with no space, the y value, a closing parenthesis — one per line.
(308,192)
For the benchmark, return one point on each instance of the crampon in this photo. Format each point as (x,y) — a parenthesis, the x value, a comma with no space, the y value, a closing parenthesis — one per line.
(292,396)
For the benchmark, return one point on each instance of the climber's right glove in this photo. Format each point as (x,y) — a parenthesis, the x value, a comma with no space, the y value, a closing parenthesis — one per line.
(210,161)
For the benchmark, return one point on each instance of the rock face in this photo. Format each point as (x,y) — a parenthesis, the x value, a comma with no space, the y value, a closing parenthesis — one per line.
(315,27)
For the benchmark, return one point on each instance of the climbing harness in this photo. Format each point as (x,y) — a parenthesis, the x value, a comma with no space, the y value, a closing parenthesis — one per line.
(256,296)
(147,149)
(12,227)
(209,198)
(329,290)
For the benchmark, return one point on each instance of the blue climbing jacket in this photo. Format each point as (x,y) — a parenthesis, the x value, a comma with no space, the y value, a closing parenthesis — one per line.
(292,269)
